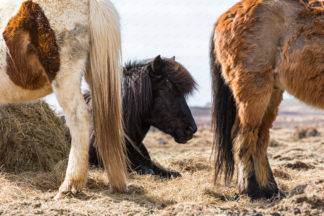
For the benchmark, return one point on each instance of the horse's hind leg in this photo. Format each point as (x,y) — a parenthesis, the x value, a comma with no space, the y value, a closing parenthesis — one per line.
(252,92)
(67,90)
(262,168)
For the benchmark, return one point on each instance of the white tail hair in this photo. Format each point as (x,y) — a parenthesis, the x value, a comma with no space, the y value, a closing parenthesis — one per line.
(104,77)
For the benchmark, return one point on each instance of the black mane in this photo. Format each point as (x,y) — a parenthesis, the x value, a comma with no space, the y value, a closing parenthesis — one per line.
(137,96)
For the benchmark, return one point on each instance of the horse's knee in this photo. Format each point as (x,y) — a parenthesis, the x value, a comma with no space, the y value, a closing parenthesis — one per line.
(77,116)
(245,143)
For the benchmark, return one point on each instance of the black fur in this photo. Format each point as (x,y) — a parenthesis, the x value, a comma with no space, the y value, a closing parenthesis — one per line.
(223,117)
(153,94)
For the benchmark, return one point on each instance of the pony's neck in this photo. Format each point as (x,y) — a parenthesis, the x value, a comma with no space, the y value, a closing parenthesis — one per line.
(137,99)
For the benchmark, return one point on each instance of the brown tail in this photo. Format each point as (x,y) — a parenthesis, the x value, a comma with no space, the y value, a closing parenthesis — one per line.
(223,117)
(104,78)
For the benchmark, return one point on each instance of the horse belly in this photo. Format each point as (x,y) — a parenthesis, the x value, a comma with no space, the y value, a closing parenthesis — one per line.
(302,72)
(11,93)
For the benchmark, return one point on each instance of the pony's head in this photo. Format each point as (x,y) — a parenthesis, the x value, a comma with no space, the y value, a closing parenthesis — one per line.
(171,83)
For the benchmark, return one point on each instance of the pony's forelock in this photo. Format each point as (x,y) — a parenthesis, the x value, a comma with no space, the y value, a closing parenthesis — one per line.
(180,77)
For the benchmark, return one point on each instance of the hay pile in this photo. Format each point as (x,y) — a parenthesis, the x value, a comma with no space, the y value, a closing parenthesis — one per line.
(32,137)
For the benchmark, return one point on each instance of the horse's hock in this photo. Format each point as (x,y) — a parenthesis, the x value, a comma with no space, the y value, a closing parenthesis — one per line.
(32,138)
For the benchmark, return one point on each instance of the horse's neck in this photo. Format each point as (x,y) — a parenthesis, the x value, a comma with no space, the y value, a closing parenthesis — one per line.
(139,134)
(137,128)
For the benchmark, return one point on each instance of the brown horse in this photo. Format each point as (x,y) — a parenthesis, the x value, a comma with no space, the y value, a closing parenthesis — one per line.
(259,49)
(47,46)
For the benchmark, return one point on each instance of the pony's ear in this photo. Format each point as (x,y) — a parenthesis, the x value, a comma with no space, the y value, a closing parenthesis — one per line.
(173,58)
(156,67)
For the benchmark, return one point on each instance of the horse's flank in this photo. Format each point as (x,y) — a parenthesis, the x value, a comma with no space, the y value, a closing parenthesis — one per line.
(288,32)
(32,58)
(55,36)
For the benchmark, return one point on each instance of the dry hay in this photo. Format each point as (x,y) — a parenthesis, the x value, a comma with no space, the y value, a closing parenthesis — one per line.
(32,137)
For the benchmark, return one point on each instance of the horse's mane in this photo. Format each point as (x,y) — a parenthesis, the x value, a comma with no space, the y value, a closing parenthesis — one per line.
(137,96)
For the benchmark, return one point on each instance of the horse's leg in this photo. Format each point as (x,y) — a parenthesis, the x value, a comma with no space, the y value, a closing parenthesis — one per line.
(142,163)
(262,168)
(67,90)
(165,173)
(139,158)
(252,92)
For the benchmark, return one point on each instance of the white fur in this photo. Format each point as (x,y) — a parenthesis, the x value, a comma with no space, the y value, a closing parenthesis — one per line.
(65,17)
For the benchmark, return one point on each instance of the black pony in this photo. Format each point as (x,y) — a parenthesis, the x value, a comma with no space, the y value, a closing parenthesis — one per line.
(154,94)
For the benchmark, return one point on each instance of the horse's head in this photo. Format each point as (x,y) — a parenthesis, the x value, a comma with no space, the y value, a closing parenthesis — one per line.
(171,82)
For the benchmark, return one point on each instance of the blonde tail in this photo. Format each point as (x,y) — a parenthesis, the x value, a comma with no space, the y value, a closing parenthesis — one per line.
(104,77)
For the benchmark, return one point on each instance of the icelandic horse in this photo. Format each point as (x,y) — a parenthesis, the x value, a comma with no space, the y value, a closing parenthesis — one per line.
(47,46)
(154,94)
(259,49)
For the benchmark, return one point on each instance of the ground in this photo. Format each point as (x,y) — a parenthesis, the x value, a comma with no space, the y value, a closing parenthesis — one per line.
(298,166)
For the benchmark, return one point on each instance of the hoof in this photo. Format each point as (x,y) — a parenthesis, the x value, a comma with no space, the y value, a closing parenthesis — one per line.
(166,174)
(59,195)
(253,189)
(171,174)
(273,194)
(69,187)
(270,194)
(143,170)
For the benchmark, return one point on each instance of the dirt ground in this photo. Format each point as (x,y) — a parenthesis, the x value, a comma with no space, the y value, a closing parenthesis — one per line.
(298,166)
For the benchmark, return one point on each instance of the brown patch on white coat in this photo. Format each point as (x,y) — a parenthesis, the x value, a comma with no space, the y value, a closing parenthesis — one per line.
(33,57)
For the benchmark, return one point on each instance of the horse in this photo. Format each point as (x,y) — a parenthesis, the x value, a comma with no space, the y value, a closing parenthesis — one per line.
(259,49)
(47,46)
(154,94)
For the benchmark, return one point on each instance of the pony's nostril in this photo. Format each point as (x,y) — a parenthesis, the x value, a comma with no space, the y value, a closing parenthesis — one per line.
(189,131)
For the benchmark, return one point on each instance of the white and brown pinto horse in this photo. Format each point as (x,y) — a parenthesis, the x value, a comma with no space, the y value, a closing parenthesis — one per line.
(47,46)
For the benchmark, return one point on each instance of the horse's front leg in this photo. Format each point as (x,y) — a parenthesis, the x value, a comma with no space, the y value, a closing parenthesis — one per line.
(67,90)
(142,163)
(139,158)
